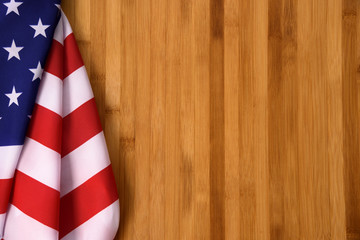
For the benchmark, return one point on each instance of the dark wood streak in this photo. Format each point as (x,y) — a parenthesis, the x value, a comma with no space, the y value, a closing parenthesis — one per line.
(217,127)
(283,119)
(276,128)
(351,118)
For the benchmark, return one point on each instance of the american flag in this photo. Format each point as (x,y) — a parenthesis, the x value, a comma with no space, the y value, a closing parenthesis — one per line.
(56,180)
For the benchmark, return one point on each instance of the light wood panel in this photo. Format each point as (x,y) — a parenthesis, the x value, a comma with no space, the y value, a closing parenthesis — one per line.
(228,119)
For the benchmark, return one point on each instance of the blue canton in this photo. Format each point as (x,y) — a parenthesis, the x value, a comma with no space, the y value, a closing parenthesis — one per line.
(26,31)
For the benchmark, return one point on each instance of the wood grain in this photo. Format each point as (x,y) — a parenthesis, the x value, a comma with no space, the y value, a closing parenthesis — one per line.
(228,119)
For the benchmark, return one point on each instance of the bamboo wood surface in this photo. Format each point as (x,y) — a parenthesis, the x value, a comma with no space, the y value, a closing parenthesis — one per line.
(228,119)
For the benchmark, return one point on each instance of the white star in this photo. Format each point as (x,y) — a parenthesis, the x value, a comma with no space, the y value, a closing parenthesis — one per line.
(37,71)
(13,96)
(12,7)
(13,50)
(40,28)
(58,6)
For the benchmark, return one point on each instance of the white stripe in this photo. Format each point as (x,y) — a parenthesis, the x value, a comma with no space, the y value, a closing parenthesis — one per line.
(2,221)
(63,29)
(9,157)
(77,90)
(103,226)
(19,226)
(83,163)
(59,31)
(66,25)
(40,163)
(50,93)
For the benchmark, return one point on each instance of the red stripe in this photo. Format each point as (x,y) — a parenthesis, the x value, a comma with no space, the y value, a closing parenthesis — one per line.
(36,200)
(72,55)
(87,200)
(55,60)
(79,126)
(5,190)
(45,127)
(64,59)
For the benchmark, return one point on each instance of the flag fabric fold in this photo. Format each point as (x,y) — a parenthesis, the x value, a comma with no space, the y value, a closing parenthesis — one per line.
(59,183)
